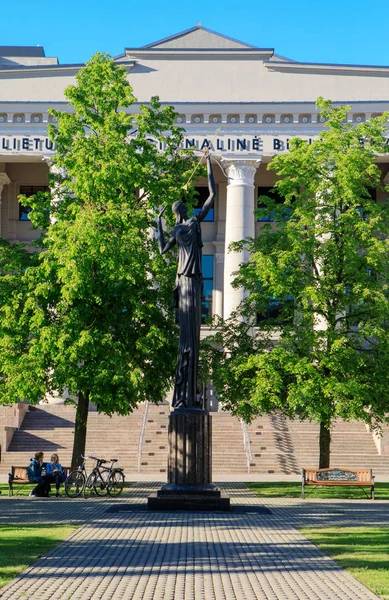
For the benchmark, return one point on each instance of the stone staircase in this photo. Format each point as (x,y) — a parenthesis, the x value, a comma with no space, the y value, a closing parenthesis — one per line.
(277,445)
(51,429)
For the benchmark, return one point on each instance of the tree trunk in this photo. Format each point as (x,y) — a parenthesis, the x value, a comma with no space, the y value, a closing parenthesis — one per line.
(325,443)
(80,429)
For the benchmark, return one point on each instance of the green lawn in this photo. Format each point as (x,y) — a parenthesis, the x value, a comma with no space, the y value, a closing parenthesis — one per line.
(22,545)
(363,551)
(285,489)
(24,490)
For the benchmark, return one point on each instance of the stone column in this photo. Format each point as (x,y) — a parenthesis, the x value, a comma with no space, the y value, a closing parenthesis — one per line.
(4,180)
(218,267)
(56,188)
(240,223)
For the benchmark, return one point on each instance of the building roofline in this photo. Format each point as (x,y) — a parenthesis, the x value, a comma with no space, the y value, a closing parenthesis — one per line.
(5,69)
(202,52)
(190,30)
(305,66)
(53,103)
(22,51)
(18,68)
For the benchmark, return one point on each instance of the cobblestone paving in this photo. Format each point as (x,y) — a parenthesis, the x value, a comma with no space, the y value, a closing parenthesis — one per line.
(123,552)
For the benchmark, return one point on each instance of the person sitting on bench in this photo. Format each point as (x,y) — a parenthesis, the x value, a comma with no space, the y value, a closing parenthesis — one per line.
(34,474)
(55,472)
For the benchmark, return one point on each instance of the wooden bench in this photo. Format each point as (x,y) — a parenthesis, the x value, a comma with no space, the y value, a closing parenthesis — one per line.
(18,476)
(338,476)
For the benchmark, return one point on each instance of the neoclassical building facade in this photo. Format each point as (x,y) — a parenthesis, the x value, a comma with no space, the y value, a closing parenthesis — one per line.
(247,102)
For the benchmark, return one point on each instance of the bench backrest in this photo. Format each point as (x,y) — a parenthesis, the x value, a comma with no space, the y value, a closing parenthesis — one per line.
(342,474)
(21,472)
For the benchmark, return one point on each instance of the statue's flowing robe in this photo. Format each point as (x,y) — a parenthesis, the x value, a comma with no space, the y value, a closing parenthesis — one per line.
(188,296)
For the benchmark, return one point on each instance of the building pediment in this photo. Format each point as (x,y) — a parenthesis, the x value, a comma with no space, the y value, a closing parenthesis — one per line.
(200,43)
(197,38)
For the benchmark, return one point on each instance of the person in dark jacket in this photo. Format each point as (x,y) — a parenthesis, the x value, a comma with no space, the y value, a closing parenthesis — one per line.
(34,474)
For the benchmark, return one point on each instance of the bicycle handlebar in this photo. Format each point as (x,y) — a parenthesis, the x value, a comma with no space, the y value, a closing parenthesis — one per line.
(102,461)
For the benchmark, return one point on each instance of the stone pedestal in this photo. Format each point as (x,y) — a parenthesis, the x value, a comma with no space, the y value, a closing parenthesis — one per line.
(189,484)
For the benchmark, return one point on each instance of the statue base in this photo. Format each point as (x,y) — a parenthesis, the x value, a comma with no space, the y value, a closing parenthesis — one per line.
(189,484)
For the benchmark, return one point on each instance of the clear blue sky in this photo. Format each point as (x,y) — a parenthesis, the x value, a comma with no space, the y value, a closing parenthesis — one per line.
(331,31)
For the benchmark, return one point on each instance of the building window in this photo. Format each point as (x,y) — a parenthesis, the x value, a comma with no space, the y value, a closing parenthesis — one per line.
(372,194)
(206,304)
(277,309)
(29,190)
(271,193)
(201,197)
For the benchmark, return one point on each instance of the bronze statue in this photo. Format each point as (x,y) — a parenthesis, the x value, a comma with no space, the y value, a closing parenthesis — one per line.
(188,292)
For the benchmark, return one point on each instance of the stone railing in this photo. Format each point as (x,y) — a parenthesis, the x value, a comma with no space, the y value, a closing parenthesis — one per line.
(381,440)
(11,418)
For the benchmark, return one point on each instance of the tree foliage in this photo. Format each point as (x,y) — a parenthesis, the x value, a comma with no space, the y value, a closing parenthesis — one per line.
(95,315)
(322,259)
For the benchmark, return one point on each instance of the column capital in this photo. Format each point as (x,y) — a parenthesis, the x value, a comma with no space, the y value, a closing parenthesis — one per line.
(48,160)
(240,171)
(53,168)
(4,180)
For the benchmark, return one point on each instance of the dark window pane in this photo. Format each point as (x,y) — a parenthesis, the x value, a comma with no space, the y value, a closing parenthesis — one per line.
(207,266)
(272,193)
(201,197)
(206,311)
(208,287)
(24,212)
(372,193)
(206,304)
(29,190)
(274,311)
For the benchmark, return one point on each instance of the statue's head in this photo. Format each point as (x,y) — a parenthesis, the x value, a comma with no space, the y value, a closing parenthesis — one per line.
(181,211)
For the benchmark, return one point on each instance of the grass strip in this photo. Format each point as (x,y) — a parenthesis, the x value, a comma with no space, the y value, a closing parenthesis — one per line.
(286,489)
(22,545)
(25,489)
(363,551)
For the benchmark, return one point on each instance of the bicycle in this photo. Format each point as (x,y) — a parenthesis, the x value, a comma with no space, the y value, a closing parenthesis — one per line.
(78,480)
(95,481)
(105,481)
(75,481)
(115,479)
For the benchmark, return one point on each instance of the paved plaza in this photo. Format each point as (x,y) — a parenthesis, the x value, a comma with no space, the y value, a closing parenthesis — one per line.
(122,551)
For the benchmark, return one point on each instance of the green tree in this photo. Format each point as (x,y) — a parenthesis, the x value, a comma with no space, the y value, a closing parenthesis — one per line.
(97,306)
(14,261)
(322,264)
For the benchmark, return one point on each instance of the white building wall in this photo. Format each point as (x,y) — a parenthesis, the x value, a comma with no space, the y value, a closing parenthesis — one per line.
(214,82)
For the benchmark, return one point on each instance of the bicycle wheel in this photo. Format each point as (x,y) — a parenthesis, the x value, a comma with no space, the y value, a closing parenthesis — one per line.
(74,484)
(115,483)
(89,487)
(101,481)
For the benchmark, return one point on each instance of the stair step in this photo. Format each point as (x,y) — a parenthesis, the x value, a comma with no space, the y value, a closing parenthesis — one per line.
(277,444)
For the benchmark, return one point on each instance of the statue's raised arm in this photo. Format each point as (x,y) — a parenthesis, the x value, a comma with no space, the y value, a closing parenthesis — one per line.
(212,191)
(160,235)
